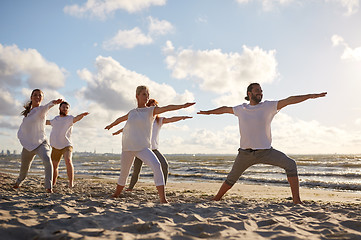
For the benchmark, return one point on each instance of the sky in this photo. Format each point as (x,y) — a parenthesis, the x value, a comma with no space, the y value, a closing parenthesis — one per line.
(94,53)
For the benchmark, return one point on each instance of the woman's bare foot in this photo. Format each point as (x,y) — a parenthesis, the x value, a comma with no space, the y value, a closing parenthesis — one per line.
(114,195)
(118,190)
(49,190)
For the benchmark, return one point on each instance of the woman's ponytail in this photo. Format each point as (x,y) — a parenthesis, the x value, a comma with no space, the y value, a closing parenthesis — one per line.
(27,107)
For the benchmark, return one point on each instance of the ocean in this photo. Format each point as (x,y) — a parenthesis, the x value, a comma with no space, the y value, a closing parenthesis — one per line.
(334,172)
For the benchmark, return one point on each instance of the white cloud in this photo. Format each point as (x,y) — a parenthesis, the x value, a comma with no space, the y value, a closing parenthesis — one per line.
(103,8)
(202,19)
(28,64)
(134,37)
(290,135)
(348,53)
(110,93)
(200,141)
(9,105)
(222,73)
(127,39)
(113,86)
(358,121)
(5,123)
(268,5)
(293,135)
(351,6)
(159,27)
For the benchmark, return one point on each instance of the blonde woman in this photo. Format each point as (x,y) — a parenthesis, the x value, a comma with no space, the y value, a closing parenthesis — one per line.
(157,124)
(33,139)
(136,140)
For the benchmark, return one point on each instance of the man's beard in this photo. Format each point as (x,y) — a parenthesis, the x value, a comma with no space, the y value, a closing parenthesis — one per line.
(256,99)
(62,113)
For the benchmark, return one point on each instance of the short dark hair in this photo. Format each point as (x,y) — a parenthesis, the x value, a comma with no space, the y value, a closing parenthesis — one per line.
(66,103)
(249,89)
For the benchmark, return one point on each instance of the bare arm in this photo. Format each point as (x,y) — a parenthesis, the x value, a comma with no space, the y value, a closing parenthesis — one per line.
(174,119)
(220,110)
(159,110)
(118,132)
(53,103)
(80,117)
(297,99)
(117,121)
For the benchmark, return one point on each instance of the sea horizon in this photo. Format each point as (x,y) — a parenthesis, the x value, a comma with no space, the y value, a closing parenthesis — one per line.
(327,171)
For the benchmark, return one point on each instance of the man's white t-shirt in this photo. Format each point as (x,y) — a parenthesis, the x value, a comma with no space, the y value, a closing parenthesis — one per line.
(137,130)
(255,124)
(60,136)
(155,132)
(32,130)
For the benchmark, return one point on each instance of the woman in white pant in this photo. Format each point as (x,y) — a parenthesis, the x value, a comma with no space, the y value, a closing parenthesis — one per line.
(157,124)
(136,140)
(33,139)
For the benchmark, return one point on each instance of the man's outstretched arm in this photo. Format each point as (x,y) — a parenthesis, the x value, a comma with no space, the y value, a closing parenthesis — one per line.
(297,99)
(219,110)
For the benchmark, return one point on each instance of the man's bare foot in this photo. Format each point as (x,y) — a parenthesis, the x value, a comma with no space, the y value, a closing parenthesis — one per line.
(163,201)
(49,190)
(16,186)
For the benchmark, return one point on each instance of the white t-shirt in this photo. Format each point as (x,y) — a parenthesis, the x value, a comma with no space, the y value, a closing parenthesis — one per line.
(155,132)
(137,130)
(255,124)
(32,130)
(60,136)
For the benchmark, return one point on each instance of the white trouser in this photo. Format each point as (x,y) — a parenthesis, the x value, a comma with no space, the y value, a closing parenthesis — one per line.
(148,157)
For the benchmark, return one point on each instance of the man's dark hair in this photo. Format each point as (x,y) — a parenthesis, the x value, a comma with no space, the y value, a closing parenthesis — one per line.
(249,89)
(66,103)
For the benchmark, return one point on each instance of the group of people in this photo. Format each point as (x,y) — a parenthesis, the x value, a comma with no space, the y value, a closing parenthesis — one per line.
(32,137)
(140,139)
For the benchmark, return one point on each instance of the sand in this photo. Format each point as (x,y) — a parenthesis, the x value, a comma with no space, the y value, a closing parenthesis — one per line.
(247,212)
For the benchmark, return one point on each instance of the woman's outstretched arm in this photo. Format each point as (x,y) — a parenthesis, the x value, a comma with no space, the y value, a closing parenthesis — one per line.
(159,110)
(118,132)
(175,119)
(117,121)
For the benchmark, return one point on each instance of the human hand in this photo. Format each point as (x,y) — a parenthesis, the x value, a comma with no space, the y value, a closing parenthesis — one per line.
(57,101)
(189,104)
(317,95)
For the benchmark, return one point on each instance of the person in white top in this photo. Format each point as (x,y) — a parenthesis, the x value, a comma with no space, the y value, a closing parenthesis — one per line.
(32,137)
(157,124)
(60,140)
(136,140)
(255,144)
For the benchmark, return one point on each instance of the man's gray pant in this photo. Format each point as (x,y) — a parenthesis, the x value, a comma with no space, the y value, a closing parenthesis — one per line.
(249,157)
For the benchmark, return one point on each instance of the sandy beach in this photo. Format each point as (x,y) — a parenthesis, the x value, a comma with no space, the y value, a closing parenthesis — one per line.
(247,212)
